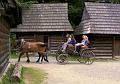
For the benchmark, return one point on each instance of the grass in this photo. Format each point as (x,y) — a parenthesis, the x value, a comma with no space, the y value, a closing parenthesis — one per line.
(6,79)
(28,76)
(33,76)
(72,57)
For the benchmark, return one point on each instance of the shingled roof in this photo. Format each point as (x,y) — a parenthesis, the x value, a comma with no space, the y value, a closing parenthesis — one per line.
(44,18)
(100,18)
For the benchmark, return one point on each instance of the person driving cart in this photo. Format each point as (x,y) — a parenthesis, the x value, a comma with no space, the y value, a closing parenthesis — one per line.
(70,41)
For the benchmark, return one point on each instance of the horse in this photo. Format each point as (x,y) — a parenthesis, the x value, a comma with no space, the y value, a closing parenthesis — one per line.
(39,47)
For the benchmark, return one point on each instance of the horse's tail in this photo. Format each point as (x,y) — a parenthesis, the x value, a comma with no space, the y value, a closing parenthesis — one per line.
(46,45)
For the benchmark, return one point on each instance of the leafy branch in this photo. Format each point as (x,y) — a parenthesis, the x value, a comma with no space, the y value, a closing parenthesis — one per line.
(25,4)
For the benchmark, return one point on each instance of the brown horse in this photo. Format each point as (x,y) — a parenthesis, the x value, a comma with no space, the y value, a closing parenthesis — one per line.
(27,47)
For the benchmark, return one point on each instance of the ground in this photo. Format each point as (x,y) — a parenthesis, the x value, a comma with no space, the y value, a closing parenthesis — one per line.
(76,73)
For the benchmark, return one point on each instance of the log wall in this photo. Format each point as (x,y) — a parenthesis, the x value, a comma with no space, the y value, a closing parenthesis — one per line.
(54,41)
(4,44)
(103,45)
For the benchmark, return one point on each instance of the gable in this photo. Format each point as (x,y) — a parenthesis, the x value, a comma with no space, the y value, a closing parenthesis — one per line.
(104,18)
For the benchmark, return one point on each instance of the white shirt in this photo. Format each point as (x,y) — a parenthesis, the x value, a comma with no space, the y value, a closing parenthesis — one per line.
(69,39)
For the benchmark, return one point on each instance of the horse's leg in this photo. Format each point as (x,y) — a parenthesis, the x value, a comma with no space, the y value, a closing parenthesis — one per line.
(46,57)
(28,60)
(42,58)
(39,57)
(20,56)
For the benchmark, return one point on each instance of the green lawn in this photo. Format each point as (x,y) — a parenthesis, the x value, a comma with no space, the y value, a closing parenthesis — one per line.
(33,76)
(29,76)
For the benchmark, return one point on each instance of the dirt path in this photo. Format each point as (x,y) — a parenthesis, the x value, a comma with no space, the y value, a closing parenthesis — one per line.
(76,73)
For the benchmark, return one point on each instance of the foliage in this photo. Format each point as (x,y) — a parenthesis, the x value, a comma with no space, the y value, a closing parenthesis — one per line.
(13,55)
(12,40)
(75,11)
(115,1)
(25,3)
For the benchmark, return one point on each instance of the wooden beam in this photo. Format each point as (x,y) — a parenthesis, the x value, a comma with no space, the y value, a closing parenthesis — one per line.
(113,48)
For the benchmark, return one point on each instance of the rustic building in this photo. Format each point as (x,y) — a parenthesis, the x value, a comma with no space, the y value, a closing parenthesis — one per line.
(101,22)
(4,41)
(6,19)
(4,44)
(45,23)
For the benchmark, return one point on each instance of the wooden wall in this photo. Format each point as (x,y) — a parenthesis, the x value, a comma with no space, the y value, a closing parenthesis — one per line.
(116,46)
(4,44)
(54,41)
(27,36)
(103,45)
(51,39)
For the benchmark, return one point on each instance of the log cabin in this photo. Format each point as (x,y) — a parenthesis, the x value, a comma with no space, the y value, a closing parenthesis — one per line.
(4,44)
(7,18)
(101,22)
(44,22)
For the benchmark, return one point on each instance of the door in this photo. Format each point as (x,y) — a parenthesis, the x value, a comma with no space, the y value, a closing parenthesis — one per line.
(46,39)
(39,38)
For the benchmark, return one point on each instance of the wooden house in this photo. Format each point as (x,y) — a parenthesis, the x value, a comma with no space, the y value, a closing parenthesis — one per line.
(101,22)
(44,22)
(6,19)
(4,44)
(4,41)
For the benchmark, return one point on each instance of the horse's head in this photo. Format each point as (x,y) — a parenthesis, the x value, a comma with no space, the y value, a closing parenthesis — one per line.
(19,44)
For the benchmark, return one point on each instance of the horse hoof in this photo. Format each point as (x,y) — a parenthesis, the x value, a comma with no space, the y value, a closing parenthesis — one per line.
(37,61)
(47,61)
(40,62)
(28,61)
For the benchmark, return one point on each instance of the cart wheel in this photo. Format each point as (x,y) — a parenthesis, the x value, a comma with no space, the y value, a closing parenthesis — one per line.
(81,59)
(62,58)
(89,57)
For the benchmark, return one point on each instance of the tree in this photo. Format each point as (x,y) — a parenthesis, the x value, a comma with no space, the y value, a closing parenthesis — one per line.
(75,11)
(25,3)
(13,39)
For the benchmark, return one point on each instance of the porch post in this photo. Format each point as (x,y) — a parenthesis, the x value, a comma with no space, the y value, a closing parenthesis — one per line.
(113,49)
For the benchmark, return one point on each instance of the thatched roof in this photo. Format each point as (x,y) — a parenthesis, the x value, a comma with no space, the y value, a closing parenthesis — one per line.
(100,18)
(44,18)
